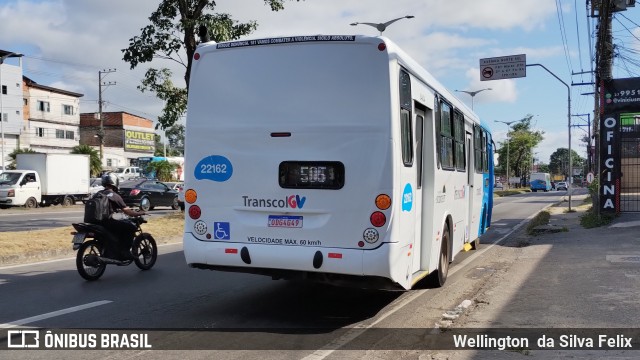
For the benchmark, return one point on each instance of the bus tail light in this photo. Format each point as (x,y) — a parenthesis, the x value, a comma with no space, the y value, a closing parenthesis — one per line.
(383,201)
(190,196)
(194,212)
(378,219)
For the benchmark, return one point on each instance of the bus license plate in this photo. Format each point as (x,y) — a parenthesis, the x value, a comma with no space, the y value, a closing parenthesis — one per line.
(285,221)
(78,238)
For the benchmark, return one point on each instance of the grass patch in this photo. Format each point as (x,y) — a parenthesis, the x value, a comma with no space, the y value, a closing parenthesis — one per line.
(36,244)
(542,218)
(590,219)
(511,192)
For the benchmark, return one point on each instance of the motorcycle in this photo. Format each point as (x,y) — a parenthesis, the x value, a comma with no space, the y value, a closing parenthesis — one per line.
(97,248)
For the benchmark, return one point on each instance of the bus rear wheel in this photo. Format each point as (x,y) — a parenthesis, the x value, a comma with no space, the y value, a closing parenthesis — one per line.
(439,276)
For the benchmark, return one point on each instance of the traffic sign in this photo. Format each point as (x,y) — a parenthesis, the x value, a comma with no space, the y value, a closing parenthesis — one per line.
(590,177)
(504,67)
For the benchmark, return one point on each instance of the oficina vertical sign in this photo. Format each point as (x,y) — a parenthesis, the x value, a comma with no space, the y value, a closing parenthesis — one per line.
(619,98)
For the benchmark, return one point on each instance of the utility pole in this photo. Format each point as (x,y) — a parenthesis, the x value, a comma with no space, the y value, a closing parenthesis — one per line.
(603,60)
(588,135)
(101,133)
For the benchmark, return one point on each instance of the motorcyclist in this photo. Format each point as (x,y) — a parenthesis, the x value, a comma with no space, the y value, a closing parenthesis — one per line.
(122,229)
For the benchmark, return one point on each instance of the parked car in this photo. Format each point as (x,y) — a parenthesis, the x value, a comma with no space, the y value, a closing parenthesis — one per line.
(181,198)
(561,186)
(179,187)
(128,172)
(498,185)
(174,185)
(147,194)
(95,185)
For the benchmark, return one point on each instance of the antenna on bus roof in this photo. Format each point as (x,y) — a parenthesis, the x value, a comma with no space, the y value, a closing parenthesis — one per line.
(203,33)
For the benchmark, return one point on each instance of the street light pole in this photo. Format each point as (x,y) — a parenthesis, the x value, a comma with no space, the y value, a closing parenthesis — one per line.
(473,94)
(2,59)
(508,123)
(382,26)
(569,126)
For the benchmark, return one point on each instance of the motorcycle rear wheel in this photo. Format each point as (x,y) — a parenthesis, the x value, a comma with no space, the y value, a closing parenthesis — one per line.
(86,260)
(145,251)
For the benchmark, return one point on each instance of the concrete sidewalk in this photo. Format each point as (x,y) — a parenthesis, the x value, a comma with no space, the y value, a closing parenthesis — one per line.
(575,278)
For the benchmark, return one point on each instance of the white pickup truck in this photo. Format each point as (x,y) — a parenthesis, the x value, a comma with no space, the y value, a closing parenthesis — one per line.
(45,179)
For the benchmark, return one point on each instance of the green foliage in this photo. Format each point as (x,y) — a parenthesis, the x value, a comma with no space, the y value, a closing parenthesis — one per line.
(521,142)
(163,169)
(160,150)
(542,218)
(544,168)
(171,34)
(594,188)
(175,135)
(175,98)
(559,161)
(13,155)
(95,165)
(591,219)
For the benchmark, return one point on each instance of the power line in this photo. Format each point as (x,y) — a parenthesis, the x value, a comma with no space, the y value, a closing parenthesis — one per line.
(563,35)
(578,36)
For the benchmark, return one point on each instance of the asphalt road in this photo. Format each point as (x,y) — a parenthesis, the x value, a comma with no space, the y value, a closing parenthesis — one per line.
(21,219)
(173,296)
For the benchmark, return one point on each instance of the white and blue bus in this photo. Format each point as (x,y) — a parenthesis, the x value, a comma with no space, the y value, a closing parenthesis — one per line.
(540,181)
(330,158)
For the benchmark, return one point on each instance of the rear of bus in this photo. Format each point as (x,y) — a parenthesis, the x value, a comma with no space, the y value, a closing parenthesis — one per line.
(288,168)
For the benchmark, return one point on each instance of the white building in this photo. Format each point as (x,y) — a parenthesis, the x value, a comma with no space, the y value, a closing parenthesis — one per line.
(11,111)
(52,118)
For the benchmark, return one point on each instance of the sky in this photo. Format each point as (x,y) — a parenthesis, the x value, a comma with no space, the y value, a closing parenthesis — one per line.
(66,42)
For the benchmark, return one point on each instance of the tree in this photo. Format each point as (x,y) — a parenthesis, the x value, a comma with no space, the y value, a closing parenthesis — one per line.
(14,154)
(175,136)
(521,141)
(559,161)
(163,170)
(543,168)
(171,34)
(160,148)
(95,165)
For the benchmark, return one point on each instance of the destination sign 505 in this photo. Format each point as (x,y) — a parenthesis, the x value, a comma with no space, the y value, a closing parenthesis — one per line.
(504,67)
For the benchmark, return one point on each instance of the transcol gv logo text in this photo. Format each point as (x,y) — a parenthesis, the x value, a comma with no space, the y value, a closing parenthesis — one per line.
(291,201)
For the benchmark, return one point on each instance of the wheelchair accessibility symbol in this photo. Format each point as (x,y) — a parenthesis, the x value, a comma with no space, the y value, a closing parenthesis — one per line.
(222,230)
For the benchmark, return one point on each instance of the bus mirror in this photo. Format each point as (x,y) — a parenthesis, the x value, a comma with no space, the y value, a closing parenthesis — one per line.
(496,157)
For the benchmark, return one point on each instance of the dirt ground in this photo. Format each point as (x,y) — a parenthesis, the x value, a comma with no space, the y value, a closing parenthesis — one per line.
(27,246)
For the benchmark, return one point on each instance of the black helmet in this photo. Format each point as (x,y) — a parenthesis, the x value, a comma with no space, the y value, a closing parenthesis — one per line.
(110,179)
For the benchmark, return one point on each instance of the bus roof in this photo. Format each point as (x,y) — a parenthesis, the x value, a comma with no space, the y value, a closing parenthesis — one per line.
(394,51)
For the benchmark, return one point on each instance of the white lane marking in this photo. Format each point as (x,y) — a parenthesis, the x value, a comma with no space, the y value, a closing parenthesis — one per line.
(32,319)
(46,213)
(414,294)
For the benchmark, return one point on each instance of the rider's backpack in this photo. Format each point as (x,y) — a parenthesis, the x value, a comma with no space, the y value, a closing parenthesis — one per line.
(97,209)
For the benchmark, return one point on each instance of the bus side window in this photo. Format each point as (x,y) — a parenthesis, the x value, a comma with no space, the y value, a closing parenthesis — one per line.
(446,136)
(477,144)
(406,132)
(407,143)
